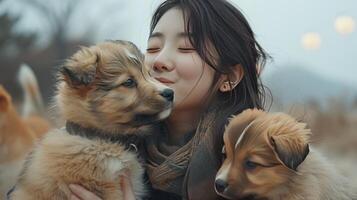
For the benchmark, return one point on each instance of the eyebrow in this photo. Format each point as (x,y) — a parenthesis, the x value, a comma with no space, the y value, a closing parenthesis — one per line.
(156,35)
(184,34)
(161,35)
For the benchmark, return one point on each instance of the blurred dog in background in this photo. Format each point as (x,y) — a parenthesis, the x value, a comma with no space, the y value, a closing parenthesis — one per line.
(268,157)
(19,132)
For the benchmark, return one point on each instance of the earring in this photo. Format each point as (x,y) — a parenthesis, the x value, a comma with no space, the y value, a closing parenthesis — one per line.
(225,87)
(228,85)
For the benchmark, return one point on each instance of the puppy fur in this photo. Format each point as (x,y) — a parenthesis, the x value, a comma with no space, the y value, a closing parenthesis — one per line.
(268,157)
(103,88)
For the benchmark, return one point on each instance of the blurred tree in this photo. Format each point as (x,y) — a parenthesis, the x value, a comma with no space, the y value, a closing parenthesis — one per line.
(58,18)
(10,40)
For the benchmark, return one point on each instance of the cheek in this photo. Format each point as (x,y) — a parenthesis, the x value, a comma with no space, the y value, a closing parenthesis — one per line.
(108,109)
(268,178)
(189,67)
(116,101)
(195,79)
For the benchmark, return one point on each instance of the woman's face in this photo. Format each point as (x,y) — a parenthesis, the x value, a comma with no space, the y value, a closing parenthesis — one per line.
(174,62)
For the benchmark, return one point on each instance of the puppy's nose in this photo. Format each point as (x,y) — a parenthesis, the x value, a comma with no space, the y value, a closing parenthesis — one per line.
(168,94)
(220,185)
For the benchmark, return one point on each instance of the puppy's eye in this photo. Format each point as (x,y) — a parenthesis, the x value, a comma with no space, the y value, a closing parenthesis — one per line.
(130,83)
(249,165)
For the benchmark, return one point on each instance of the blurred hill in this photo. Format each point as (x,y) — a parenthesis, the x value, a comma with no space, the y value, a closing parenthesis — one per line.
(295,84)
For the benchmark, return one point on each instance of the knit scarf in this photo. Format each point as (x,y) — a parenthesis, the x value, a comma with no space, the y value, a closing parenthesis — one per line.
(167,172)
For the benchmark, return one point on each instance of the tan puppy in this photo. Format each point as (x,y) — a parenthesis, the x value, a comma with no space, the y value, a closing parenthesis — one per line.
(268,157)
(18,133)
(107,100)
(16,140)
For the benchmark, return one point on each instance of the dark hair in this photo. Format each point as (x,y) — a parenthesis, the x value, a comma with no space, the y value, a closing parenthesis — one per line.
(218,24)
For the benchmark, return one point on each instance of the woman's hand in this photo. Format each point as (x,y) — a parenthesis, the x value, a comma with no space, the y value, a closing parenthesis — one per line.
(80,193)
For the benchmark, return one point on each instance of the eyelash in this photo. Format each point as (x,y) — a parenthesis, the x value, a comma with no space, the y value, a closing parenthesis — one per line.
(152,50)
(183,50)
(187,49)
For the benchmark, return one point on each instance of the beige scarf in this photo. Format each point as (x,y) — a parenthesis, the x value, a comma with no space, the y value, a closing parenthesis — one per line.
(167,172)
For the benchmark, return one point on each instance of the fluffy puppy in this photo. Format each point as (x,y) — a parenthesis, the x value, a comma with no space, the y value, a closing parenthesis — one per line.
(107,100)
(19,132)
(267,156)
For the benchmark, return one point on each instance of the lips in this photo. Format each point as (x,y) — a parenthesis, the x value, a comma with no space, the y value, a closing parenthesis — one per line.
(164,80)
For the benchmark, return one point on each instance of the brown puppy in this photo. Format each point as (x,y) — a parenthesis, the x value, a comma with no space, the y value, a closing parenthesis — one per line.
(106,99)
(268,157)
(18,133)
(16,140)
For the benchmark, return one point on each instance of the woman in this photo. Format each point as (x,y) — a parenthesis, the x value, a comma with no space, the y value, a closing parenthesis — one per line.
(206,52)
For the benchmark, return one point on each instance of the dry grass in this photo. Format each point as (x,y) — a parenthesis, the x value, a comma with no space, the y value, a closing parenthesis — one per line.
(334,128)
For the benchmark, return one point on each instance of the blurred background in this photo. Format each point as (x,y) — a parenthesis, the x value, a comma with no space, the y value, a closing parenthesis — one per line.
(313,74)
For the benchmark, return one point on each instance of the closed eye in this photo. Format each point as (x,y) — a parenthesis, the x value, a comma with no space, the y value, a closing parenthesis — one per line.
(250,165)
(186,50)
(152,50)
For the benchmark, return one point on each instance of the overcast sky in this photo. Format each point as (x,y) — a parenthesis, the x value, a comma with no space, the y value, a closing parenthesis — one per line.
(278,24)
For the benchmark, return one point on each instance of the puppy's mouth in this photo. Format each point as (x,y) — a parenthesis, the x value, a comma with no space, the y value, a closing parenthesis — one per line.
(145,119)
(249,197)
(229,195)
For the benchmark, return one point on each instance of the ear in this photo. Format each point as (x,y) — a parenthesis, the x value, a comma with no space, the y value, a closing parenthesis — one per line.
(290,149)
(5,99)
(80,69)
(229,82)
(238,123)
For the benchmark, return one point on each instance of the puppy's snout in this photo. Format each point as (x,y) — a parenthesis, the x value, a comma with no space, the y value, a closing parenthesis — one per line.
(220,185)
(168,94)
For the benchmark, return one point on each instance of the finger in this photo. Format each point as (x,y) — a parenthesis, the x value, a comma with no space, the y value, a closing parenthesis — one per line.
(82,193)
(73,197)
(126,186)
(126,173)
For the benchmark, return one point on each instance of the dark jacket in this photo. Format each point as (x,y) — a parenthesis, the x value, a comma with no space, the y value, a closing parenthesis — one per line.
(198,182)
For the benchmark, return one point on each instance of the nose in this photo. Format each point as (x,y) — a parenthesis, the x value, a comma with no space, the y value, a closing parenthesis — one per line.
(164,61)
(161,67)
(220,185)
(168,94)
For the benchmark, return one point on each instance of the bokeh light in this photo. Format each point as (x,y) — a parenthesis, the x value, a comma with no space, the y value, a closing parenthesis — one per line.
(311,41)
(344,25)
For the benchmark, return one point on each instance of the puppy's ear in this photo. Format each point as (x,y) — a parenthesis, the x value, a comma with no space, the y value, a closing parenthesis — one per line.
(80,69)
(5,99)
(291,148)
